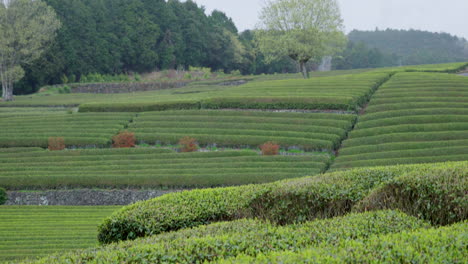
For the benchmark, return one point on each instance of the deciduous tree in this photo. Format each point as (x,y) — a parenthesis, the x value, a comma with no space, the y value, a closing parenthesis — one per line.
(26,26)
(304,30)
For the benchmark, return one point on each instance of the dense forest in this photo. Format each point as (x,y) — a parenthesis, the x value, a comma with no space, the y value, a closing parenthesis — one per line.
(412,47)
(120,36)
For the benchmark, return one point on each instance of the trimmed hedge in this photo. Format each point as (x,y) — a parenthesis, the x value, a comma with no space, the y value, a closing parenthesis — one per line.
(401,146)
(414,128)
(406,153)
(78,130)
(392,161)
(138,107)
(412,120)
(150,168)
(437,195)
(307,131)
(435,245)
(32,231)
(224,240)
(414,112)
(346,92)
(316,103)
(283,202)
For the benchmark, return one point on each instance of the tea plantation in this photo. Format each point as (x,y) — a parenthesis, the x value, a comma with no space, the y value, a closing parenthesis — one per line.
(372,168)
(413,118)
(30,231)
(320,132)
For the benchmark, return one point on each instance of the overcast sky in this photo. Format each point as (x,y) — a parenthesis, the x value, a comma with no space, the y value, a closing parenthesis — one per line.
(449,16)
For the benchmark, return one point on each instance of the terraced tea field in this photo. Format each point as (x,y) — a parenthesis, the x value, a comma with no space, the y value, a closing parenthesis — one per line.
(311,215)
(322,132)
(344,92)
(149,168)
(34,128)
(31,231)
(413,118)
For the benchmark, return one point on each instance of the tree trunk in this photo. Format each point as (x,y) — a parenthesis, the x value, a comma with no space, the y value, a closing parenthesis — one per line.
(304,71)
(7,89)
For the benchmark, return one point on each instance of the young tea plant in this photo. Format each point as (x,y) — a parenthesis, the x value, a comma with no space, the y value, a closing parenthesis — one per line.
(124,140)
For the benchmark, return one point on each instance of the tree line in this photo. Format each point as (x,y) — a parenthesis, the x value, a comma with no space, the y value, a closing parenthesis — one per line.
(121,36)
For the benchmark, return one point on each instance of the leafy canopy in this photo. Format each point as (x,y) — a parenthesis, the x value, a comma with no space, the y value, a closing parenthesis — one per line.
(301,29)
(26,26)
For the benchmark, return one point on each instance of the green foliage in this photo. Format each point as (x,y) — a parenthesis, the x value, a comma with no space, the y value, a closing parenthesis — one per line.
(437,195)
(149,168)
(413,118)
(435,245)
(282,202)
(30,231)
(27,27)
(223,240)
(248,128)
(3,196)
(302,29)
(346,92)
(138,107)
(84,129)
(104,78)
(358,55)
(413,47)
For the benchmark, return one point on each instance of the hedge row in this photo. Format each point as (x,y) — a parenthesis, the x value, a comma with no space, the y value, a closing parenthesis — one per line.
(413,128)
(414,112)
(401,146)
(78,130)
(308,131)
(224,240)
(151,169)
(435,245)
(406,153)
(337,93)
(438,195)
(415,105)
(406,137)
(237,114)
(250,141)
(338,164)
(283,202)
(415,120)
(425,111)
(31,231)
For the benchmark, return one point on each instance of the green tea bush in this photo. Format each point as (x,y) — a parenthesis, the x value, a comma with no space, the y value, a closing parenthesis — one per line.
(3,196)
(437,195)
(150,168)
(138,107)
(435,245)
(282,202)
(251,237)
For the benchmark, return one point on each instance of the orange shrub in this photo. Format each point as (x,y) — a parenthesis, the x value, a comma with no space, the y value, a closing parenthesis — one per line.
(56,143)
(270,148)
(124,140)
(188,144)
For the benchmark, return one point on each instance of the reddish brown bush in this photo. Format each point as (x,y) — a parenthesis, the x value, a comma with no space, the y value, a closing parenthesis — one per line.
(188,144)
(56,143)
(124,140)
(270,148)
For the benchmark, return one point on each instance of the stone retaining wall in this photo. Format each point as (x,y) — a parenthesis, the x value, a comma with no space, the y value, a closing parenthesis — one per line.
(82,197)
